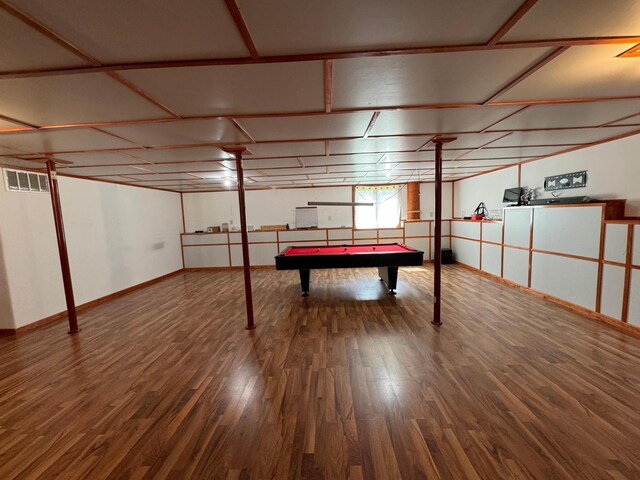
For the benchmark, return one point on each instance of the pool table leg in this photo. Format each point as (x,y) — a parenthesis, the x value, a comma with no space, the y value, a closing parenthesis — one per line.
(389,275)
(305,277)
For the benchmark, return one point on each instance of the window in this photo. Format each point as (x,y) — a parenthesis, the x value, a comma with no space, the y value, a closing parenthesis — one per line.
(22,181)
(385,212)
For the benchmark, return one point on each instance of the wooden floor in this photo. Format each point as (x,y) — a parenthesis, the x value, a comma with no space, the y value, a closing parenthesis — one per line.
(347,383)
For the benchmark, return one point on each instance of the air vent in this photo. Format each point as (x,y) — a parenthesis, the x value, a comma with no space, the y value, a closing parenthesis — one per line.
(21,181)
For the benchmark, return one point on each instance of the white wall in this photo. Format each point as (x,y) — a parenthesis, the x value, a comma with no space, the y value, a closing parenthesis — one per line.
(487,188)
(427,200)
(117,236)
(613,172)
(269,207)
(6,311)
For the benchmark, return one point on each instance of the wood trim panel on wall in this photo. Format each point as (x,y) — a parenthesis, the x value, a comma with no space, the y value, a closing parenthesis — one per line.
(626,292)
(599,259)
(88,305)
(589,313)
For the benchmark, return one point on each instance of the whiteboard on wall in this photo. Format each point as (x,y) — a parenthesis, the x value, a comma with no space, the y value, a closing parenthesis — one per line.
(306,217)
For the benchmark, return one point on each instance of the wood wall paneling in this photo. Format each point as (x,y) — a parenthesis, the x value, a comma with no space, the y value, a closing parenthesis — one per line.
(517,227)
(615,245)
(633,316)
(570,279)
(574,231)
(516,265)
(612,293)
(492,258)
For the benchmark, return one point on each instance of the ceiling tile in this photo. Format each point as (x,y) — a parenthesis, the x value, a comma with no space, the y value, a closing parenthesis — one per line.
(184,132)
(307,127)
(18,163)
(588,114)
(342,159)
(577,19)
(230,89)
(194,154)
(72,99)
(467,141)
(169,183)
(23,48)
(288,149)
(185,167)
(99,158)
(497,162)
(635,120)
(98,171)
(71,139)
(357,168)
(425,156)
(266,163)
(218,176)
(561,137)
(378,144)
(295,171)
(292,26)
(118,178)
(280,178)
(439,120)
(518,152)
(581,72)
(161,177)
(120,31)
(8,151)
(440,78)
(6,125)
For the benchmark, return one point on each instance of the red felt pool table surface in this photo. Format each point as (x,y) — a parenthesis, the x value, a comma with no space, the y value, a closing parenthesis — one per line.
(348,249)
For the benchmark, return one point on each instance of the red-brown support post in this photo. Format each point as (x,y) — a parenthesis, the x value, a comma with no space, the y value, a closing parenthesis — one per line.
(237,151)
(62,247)
(437,256)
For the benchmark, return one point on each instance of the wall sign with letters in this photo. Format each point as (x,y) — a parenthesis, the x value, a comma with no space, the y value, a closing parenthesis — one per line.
(566,180)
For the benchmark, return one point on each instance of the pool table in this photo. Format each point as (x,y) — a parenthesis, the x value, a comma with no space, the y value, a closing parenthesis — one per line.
(386,256)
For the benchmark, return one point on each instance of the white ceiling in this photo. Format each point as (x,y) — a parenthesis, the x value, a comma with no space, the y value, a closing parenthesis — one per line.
(320,92)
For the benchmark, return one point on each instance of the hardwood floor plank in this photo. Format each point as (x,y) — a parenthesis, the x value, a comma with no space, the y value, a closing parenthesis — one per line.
(348,383)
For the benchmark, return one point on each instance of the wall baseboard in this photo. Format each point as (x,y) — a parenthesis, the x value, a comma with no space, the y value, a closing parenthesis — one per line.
(227,269)
(619,324)
(86,306)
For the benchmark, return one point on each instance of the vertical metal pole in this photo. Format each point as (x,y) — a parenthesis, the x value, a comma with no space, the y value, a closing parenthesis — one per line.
(245,239)
(62,247)
(437,260)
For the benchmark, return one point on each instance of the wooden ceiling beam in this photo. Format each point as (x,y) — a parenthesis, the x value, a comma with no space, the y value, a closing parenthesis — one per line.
(527,73)
(47,32)
(140,92)
(235,116)
(77,51)
(515,18)
(241,25)
(242,130)
(24,126)
(548,43)
(567,150)
(372,122)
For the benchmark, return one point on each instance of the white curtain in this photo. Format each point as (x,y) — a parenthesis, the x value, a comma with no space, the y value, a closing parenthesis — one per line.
(385,212)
